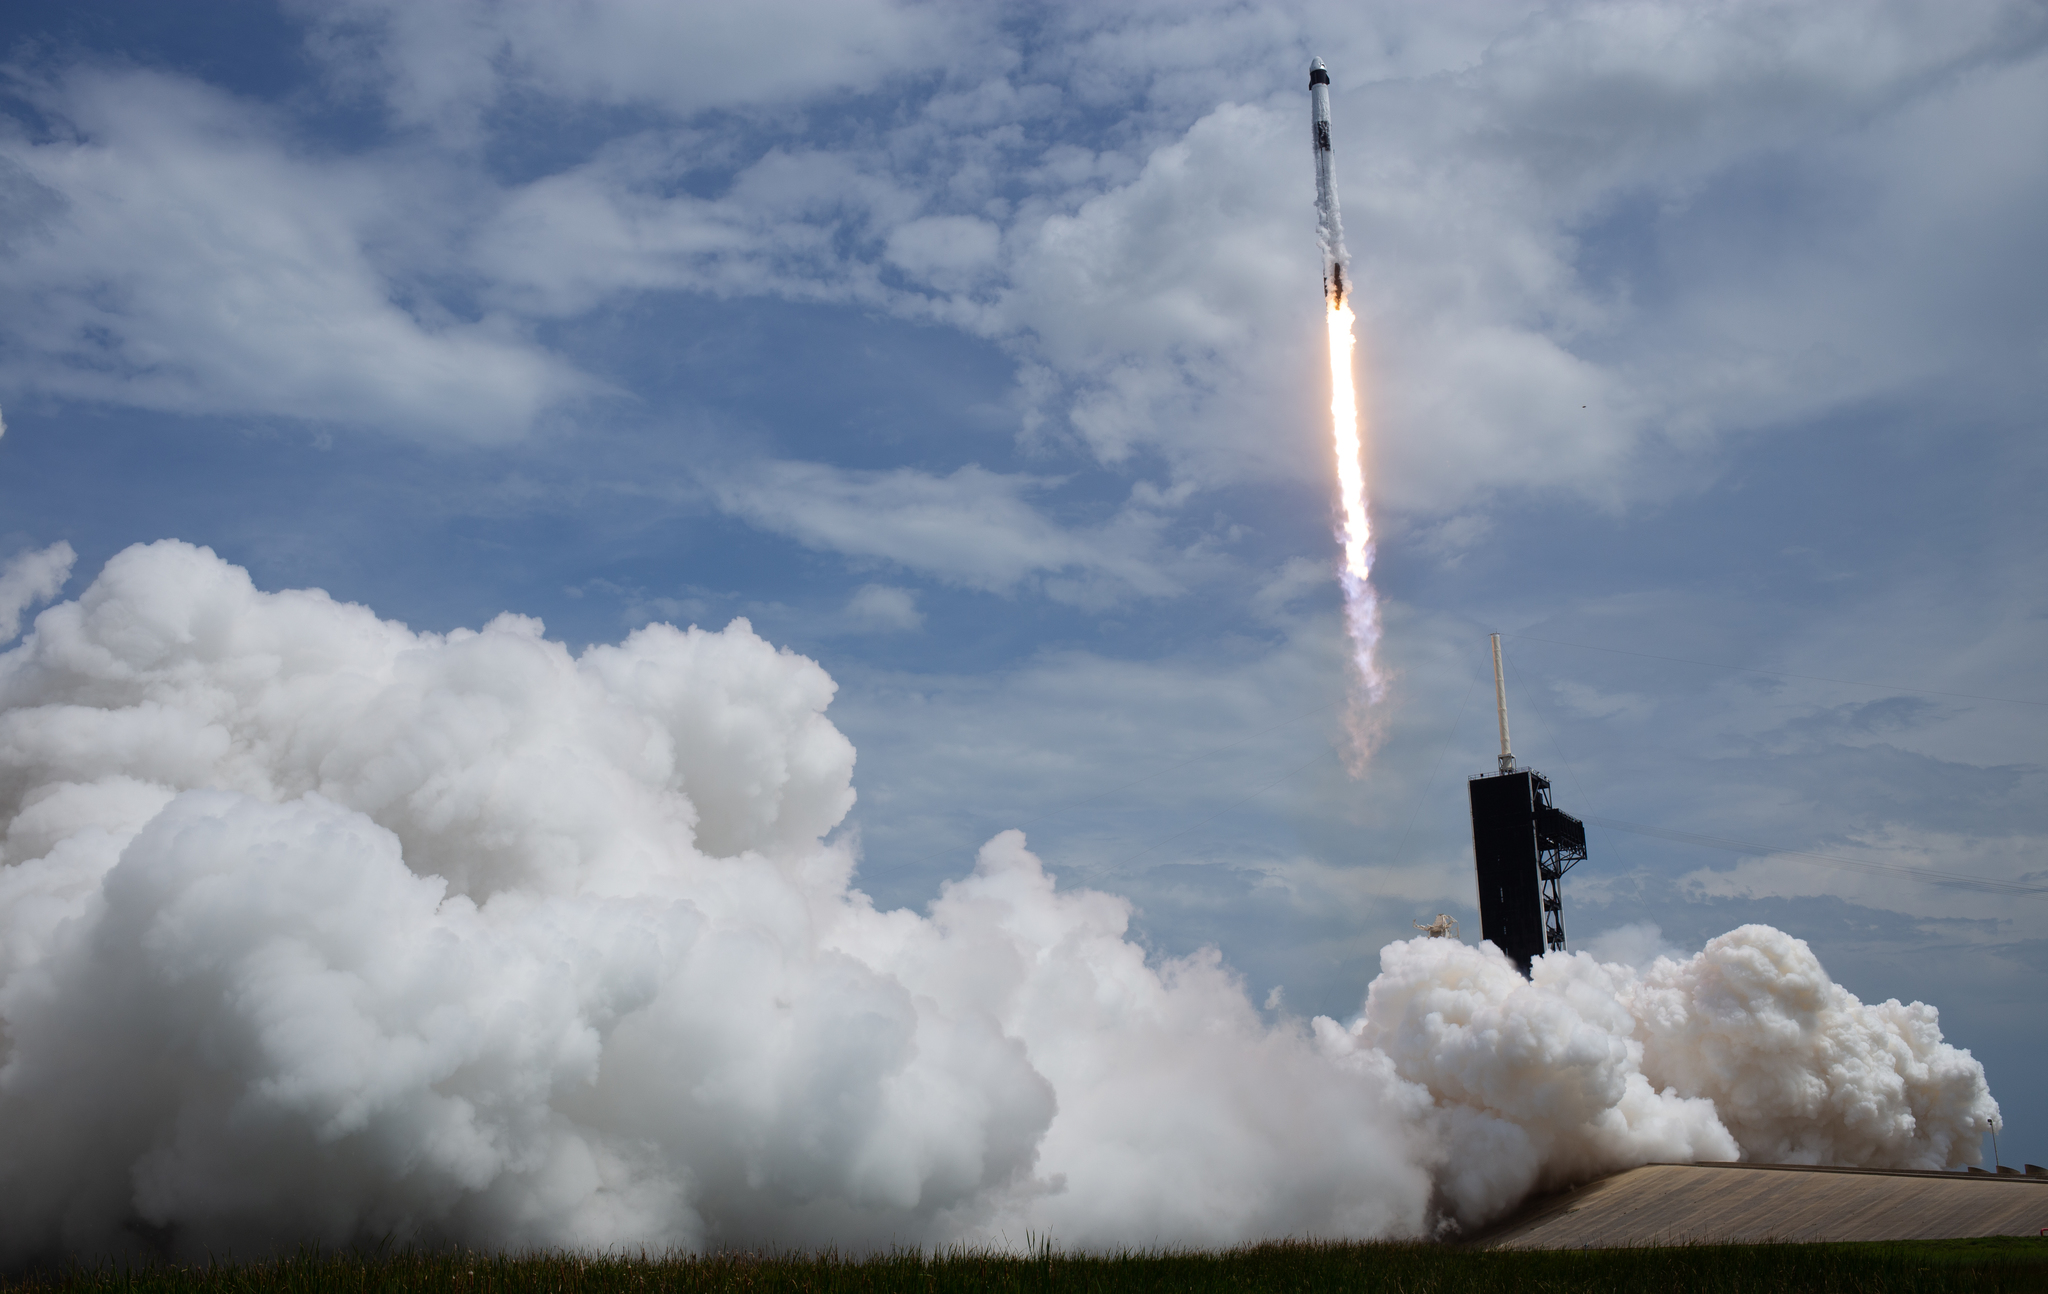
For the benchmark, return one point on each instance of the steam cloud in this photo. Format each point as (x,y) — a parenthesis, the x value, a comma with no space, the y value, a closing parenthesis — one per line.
(316,929)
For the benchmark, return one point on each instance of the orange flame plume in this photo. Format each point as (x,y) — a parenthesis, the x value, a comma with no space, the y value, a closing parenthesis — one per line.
(1361,604)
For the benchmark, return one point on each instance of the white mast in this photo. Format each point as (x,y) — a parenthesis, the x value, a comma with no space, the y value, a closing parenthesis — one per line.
(1500,701)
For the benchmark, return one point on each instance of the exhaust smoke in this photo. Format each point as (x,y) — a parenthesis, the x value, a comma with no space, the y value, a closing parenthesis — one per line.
(317,929)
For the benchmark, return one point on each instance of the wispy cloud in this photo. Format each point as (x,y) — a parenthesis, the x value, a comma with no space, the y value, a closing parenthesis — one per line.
(171,249)
(973,528)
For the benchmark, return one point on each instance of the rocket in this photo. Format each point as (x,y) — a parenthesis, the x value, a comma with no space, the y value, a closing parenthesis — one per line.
(1329,226)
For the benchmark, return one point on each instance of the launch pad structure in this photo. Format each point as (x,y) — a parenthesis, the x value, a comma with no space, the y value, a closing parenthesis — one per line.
(1522,845)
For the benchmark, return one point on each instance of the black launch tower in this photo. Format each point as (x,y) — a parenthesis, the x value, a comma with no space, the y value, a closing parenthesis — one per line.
(1522,846)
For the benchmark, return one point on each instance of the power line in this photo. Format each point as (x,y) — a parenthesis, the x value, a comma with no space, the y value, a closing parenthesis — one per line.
(1810,678)
(1749,847)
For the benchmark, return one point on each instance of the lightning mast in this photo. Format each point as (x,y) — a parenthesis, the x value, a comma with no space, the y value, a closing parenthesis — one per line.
(1500,703)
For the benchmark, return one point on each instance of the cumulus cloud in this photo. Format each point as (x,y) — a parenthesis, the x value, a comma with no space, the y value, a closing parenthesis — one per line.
(170,249)
(614,227)
(1138,297)
(30,579)
(313,928)
(945,250)
(445,66)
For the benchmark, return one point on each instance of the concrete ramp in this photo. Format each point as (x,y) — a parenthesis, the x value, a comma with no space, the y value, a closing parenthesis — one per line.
(1667,1204)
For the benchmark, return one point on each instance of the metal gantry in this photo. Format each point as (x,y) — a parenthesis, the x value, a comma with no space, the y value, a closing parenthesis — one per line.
(1560,846)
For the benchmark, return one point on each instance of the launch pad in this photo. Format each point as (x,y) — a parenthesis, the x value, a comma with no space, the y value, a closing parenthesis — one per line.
(1522,845)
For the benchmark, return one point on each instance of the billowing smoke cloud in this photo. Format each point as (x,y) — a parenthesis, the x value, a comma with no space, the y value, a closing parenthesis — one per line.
(1746,1050)
(316,929)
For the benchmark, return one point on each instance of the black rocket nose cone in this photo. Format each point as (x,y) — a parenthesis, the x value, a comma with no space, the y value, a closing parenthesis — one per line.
(1318,74)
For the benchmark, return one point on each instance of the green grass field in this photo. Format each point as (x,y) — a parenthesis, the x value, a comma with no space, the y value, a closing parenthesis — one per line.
(2001,1264)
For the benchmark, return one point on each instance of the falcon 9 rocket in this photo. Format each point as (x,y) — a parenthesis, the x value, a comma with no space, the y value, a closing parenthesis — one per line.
(1361,603)
(1329,226)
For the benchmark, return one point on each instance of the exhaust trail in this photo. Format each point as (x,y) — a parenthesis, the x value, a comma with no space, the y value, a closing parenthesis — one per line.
(1361,603)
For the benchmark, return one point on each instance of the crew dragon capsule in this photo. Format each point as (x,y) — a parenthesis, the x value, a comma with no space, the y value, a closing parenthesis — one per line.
(1329,227)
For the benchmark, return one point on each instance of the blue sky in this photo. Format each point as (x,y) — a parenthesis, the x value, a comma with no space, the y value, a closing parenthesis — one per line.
(973,352)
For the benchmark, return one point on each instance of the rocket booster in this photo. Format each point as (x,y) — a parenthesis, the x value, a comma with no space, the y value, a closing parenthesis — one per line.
(1329,226)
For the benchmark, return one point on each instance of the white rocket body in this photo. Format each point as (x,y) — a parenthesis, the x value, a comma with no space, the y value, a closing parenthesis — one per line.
(1329,225)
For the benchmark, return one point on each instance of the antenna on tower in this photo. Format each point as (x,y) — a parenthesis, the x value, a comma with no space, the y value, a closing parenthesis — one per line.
(1500,701)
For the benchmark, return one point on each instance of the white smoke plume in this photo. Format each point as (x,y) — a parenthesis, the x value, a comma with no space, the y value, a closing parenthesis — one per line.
(315,929)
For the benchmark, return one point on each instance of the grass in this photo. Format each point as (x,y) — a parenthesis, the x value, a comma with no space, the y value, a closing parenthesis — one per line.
(2015,1263)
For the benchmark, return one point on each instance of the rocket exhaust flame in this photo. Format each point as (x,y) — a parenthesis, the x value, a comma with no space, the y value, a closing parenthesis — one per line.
(1361,604)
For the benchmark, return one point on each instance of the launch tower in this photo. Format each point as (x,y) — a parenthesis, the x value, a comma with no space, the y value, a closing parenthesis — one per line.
(1522,846)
